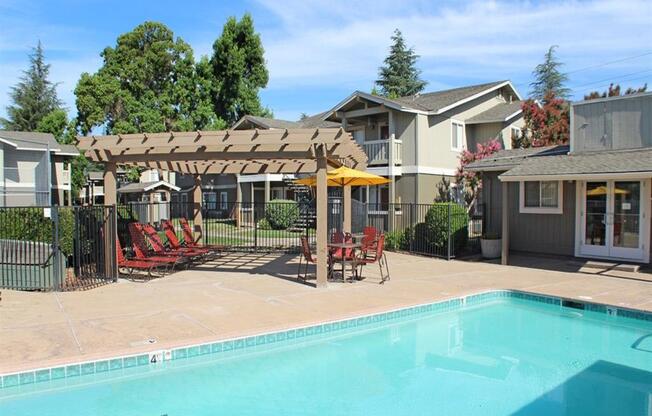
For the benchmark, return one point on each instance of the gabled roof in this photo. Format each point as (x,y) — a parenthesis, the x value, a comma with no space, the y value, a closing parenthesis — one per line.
(315,121)
(431,103)
(35,141)
(637,161)
(508,158)
(264,123)
(139,187)
(497,114)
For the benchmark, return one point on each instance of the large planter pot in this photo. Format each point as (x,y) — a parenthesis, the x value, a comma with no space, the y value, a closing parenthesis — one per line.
(491,248)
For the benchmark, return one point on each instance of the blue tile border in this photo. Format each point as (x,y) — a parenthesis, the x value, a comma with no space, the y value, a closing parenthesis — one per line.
(311,331)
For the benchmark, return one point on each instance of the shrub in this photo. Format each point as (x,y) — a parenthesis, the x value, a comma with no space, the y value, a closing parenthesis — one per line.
(281,213)
(263,224)
(30,224)
(436,226)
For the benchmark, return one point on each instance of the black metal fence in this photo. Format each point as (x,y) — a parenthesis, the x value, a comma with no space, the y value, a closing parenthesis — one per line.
(443,230)
(57,248)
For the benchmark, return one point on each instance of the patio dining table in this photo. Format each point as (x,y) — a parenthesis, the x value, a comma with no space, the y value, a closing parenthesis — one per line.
(343,260)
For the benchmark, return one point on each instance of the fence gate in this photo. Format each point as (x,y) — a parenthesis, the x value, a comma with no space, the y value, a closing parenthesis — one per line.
(57,248)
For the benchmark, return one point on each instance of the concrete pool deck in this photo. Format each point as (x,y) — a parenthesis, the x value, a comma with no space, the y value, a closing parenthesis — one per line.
(244,294)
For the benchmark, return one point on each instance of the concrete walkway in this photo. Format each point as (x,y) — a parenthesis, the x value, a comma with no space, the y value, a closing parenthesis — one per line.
(246,294)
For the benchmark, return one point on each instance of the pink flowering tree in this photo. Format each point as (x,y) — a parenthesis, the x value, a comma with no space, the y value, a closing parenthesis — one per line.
(470,181)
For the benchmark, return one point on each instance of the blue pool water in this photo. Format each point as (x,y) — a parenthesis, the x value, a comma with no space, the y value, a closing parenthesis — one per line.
(505,356)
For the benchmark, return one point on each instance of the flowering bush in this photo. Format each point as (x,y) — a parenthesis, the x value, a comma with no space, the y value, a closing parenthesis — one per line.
(471,180)
(544,125)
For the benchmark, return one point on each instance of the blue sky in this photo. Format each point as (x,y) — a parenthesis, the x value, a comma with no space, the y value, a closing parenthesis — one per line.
(318,52)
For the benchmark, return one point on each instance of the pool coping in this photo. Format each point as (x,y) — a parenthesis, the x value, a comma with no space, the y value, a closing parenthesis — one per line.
(247,342)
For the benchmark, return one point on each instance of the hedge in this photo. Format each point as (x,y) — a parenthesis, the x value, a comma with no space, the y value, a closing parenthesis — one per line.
(30,224)
(281,213)
(436,224)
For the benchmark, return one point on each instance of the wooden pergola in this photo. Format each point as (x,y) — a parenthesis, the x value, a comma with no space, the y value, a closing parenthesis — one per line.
(234,152)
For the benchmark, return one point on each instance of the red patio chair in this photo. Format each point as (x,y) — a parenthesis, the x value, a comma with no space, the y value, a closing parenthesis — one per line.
(378,257)
(306,254)
(338,253)
(175,243)
(142,251)
(369,239)
(159,248)
(189,240)
(131,265)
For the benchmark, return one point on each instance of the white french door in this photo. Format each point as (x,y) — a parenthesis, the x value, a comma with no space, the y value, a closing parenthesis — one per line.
(613,218)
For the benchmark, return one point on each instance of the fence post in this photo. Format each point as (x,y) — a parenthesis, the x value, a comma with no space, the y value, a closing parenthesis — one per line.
(448,253)
(412,227)
(55,247)
(255,230)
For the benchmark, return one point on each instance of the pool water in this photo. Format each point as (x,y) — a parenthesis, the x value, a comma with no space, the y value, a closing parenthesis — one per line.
(505,356)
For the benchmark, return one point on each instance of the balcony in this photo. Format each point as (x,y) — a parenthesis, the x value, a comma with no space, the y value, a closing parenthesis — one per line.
(378,152)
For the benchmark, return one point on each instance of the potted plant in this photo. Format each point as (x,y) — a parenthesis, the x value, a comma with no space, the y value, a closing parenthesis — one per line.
(491,245)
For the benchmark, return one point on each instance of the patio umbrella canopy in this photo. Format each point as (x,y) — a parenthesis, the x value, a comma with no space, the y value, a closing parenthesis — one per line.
(344,176)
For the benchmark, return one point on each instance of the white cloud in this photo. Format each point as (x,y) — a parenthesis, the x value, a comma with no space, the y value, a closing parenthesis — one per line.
(339,43)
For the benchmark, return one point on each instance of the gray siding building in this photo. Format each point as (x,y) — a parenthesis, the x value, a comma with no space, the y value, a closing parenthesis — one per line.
(591,199)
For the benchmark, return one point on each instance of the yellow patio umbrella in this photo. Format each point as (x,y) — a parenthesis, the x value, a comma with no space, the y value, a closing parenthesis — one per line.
(344,176)
(602,190)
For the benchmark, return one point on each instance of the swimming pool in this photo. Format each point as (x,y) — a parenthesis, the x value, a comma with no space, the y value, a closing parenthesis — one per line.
(491,354)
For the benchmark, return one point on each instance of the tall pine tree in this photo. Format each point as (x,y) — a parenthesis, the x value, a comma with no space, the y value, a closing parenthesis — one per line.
(548,79)
(399,77)
(33,97)
(239,69)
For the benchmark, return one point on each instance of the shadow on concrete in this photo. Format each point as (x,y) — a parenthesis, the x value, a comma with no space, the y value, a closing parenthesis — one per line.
(569,264)
(279,265)
(604,388)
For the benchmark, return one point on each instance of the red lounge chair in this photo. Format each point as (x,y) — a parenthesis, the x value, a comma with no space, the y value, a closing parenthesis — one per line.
(142,251)
(176,244)
(159,248)
(131,265)
(378,257)
(189,240)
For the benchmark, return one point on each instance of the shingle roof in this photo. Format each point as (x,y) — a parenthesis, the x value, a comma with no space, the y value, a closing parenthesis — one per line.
(317,121)
(498,113)
(36,140)
(145,186)
(434,101)
(631,161)
(508,158)
(270,123)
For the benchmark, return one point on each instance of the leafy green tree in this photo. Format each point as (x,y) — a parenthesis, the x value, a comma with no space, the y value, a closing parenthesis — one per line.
(399,76)
(548,79)
(33,97)
(239,71)
(148,83)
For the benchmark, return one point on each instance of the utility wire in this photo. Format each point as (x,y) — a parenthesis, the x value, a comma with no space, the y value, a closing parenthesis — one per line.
(609,63)
(613,78)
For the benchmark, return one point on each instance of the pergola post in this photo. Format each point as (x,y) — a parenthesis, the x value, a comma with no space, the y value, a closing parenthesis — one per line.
(504,258)
(197,218)
(268,189)
(346,208)
(237,208)
(110,187)
(322,218)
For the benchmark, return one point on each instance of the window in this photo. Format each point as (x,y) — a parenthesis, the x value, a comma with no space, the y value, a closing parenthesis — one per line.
(516,133)
(457,140)
(210,200)
(384,132)
(224,200)
(541,197)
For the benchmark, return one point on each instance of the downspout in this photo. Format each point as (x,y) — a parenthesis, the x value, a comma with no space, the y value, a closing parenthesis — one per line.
(416,159)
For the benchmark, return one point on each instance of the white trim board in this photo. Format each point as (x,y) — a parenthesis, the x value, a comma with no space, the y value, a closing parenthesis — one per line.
(579,176)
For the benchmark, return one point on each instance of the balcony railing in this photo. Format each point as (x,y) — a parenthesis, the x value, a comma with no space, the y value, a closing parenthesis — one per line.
(378,151)
(65,177)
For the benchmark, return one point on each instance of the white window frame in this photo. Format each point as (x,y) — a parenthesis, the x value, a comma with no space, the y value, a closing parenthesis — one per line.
(559,209)
(511,131)
(461,140)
